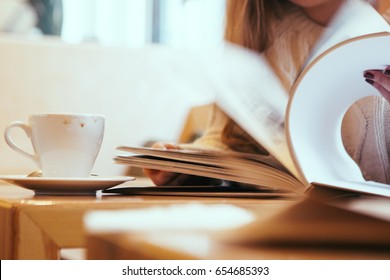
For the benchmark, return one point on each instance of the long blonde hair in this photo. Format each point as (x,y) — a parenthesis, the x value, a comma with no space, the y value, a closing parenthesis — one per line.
(247,21)
(248,25)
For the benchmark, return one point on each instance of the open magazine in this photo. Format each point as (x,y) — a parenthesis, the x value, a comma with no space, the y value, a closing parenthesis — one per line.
(304,142)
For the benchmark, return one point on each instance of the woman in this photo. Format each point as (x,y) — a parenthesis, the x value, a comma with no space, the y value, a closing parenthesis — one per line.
(285,32)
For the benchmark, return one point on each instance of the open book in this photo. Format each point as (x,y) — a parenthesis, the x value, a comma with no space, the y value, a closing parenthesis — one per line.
(304,142)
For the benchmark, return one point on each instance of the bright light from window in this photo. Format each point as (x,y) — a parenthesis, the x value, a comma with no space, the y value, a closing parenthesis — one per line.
(132,23)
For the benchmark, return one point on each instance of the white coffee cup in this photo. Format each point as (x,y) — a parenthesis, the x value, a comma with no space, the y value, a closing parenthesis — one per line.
(65,145)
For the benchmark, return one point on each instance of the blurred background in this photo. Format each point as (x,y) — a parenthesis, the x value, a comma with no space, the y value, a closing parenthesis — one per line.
(132,23)
(131,60)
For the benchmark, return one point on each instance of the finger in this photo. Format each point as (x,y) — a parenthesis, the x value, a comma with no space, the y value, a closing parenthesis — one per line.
(159,177)
(382,90)
(387,71)
(379,78)
(170,146)
(165,146)
(150,172)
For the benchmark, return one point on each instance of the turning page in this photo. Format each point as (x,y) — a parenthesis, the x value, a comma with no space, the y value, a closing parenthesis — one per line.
(321,96)
(251,94)
(254,96)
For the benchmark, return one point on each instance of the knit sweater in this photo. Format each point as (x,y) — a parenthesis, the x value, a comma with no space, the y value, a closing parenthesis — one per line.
(366,125)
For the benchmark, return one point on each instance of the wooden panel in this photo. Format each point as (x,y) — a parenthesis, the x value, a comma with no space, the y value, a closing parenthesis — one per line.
(36,227)
(6,231)
(33,243)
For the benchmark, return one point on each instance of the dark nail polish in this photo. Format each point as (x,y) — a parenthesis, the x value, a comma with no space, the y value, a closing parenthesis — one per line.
(371,82)
(387,72)
(368,75)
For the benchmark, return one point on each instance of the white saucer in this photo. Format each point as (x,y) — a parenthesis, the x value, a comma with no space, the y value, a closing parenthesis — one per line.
(65,186)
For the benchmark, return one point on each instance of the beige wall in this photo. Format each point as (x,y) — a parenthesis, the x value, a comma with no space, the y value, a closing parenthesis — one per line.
(145,94)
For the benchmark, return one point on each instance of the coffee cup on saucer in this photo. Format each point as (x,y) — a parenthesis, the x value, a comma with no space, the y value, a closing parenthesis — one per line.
(65,145)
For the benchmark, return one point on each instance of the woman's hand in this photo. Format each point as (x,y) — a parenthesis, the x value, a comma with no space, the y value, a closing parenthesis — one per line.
(160,178)
(380,79)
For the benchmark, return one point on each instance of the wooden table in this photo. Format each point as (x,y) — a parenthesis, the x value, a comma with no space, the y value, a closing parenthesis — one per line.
(185,246)
(37,227)
(302,229)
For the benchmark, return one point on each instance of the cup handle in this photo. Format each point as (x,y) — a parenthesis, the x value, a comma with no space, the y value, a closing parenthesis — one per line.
(8,139)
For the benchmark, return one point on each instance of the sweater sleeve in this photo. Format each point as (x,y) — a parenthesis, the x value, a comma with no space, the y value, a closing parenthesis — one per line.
(223,133)
(211,138)
(366,137)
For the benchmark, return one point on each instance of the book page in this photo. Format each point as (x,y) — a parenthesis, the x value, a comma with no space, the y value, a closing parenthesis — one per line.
(204,156)
(331,84)
(258,170)
(249,92)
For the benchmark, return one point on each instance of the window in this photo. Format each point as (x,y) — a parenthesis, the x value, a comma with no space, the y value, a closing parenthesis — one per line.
(134,23)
